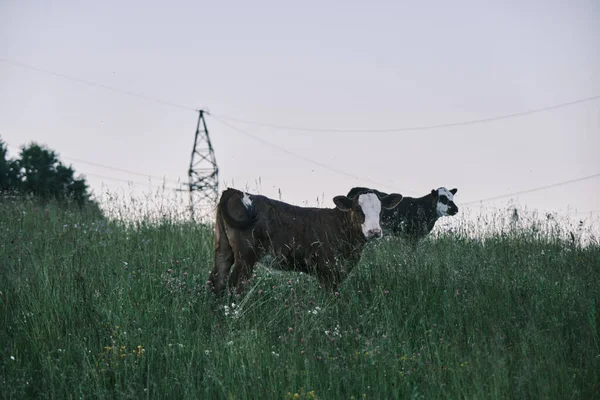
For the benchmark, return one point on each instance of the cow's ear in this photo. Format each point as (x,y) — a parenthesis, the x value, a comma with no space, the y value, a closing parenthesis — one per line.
(343,203)
(453,191)
(434,192)
(391,201)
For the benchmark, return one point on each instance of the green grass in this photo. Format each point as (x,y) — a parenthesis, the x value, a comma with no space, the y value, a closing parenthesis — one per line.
(106,309)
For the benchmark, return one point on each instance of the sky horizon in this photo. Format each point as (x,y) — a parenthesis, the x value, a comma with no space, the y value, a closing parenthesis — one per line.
(319,65)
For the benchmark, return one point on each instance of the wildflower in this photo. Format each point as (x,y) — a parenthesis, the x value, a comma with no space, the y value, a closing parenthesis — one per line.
(169,270)
(185,274)
(12,358)
(291,330)
(315,311)
(230,343)
(386,292)
(337,293)
(206,352)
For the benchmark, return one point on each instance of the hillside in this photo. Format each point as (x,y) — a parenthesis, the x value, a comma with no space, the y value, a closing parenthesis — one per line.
(95,308)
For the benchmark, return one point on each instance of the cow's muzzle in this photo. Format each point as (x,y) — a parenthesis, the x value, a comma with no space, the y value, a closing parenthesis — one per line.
(374,233)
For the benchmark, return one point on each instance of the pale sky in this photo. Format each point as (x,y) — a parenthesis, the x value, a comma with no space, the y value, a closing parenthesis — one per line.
(316,64)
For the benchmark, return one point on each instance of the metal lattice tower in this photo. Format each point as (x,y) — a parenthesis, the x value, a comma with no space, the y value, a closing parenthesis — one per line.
(203,173)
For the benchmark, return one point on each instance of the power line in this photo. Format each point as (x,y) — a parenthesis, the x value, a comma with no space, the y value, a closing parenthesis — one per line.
(122,180)
(309,160)
(127,171)
(303,129)
(534,189)
(417,128)
(97,85)
(114,169)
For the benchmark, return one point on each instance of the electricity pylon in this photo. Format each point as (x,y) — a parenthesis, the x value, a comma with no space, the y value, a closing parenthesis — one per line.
(203,173)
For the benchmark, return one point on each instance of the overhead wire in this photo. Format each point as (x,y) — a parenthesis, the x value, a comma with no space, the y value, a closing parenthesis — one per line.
(304,129)
(299,156)
(128,181)
(415,128)
(536,189)
(97,85)
(127,171)
(115,169)
(221,118)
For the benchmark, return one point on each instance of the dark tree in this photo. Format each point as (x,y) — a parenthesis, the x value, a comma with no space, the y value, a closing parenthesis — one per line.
(9,170)
(39,172)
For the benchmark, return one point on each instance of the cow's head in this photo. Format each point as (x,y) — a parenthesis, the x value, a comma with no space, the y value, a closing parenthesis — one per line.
(444,201)
(365,208)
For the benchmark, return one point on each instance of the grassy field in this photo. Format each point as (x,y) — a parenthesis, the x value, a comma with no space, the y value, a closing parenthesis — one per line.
(91,308)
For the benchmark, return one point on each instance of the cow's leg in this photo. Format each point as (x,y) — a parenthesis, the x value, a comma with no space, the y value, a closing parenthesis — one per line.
(224,258)
(245,259)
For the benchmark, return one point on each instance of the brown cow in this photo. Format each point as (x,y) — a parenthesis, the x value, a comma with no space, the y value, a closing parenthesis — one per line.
(324,242)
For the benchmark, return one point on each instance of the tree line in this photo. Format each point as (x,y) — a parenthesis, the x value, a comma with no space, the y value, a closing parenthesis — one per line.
(38,171)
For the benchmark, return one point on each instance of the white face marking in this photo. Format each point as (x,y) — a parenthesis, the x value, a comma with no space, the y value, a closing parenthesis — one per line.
(442,209)
(246,200)
(371,207)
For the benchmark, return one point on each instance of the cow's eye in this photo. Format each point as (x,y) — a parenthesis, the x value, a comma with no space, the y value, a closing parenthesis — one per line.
(443,200)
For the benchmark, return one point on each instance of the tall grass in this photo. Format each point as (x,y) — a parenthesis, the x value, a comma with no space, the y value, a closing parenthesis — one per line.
(101,308)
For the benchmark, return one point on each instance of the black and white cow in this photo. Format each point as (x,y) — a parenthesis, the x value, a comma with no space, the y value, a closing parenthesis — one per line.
(414,218)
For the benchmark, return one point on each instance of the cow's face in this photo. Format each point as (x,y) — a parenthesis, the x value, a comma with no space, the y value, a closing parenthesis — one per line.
(366,210)
(444,201)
